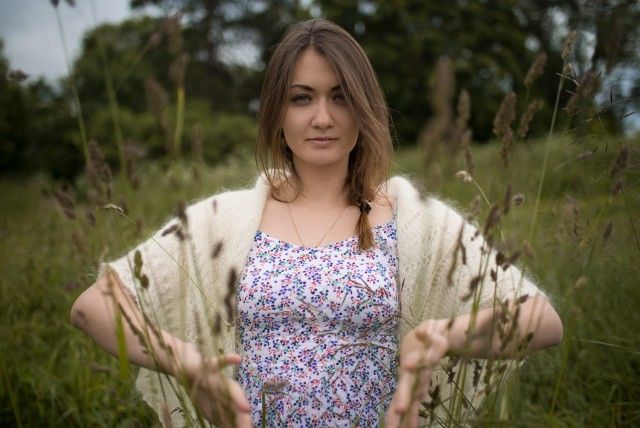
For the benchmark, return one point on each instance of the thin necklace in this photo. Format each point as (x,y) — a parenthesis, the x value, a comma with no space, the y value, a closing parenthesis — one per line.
(295,227)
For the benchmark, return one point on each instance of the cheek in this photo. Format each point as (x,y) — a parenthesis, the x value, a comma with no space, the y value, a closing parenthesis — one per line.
(292,123)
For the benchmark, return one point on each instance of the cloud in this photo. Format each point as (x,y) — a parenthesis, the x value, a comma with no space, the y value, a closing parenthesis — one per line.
(31,37)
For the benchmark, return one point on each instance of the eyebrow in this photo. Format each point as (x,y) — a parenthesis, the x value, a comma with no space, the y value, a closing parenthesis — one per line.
(310,89)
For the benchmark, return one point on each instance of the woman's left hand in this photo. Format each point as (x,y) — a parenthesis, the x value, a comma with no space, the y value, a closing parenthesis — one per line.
(420,351)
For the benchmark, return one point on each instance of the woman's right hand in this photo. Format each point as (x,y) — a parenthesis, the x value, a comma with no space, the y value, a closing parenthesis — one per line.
(219,399)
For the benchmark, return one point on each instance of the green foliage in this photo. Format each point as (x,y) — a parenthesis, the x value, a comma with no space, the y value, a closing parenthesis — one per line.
(227,134)
(58,375)
(36,129)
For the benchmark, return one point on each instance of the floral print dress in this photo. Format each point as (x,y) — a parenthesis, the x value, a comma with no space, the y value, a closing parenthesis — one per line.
(318,331)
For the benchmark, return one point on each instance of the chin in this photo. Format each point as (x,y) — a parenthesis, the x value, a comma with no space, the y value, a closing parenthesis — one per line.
(322,161)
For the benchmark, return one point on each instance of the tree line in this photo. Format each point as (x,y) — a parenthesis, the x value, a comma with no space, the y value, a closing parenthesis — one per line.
(185,81)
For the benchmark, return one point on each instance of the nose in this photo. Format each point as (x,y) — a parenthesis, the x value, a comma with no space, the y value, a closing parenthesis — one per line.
(322,117)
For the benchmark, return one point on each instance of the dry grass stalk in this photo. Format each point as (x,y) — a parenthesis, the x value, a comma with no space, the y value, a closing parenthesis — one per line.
(64,198)
(157,102)
(178,68)
(607,232)
(617,168)
(506,200)
(132,153)
(17,75)
(461,131)
(173,29)
(527,117)
(91,218)
(98,174)
(492,220)
(442,90)
(502,124)
(568,45)
(466,147)
(536,70)
(587,88)
(459,248)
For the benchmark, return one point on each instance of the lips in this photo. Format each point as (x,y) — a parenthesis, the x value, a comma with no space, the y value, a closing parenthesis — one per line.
(321,142)
(322,139)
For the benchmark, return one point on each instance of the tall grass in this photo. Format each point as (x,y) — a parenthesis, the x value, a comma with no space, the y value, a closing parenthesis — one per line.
(579,237)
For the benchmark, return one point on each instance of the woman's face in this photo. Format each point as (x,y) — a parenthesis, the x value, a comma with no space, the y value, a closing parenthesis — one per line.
(318,125)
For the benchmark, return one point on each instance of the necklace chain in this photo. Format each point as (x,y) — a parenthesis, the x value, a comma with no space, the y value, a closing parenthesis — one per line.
(295,227)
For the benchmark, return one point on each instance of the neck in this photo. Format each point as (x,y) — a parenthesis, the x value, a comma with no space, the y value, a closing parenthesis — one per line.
(322,185)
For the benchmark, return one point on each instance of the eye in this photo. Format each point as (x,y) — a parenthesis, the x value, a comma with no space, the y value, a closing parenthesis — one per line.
(340,98)
(300,98)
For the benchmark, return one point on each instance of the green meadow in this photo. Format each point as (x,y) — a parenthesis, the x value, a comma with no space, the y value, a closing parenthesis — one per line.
(584,252)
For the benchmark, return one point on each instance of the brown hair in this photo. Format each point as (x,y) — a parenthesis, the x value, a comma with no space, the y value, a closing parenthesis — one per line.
(369,161)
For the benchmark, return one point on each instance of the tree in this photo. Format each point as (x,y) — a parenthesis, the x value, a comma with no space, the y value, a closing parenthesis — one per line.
(491,45)
(36,128)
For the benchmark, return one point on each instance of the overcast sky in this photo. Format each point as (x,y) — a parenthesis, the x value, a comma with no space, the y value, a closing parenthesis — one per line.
(31,37)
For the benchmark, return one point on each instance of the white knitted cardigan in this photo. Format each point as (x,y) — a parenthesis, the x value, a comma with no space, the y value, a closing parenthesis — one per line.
(188,264)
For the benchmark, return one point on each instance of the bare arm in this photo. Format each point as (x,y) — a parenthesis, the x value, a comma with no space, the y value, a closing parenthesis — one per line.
(94,312)
(219,399)
(497,332)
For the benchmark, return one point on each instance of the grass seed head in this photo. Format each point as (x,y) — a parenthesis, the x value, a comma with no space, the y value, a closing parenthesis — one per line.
(17,75)
(518,199)
(78,243)
(502,125)
(157,97)
(607,232)
(464,110)
(65,201)
(170,229)
(527,117)
(465,176)
(617,187)
(113,207)
(466,144)
(217,249)
(620,161)
(505,115)
(231,291)
(181,213)
(536,69)
(473,285)
(493,219)
(569,41)
(154,40)
(98,174)
(506,200)
(580,283)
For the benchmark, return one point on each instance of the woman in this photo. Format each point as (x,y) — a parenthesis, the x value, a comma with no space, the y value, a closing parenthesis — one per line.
(272,282)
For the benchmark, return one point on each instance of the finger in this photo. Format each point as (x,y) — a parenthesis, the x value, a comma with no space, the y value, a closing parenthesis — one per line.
(243,420)
(411,360)
(221,361)
(238,397)
(412,415)
(404,391)
(392,418)
(438,348)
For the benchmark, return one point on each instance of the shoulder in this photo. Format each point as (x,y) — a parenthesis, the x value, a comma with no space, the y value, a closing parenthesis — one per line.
(410,195)
(227,200)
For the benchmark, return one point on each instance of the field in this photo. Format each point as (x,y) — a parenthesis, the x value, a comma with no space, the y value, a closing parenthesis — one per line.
(586,255)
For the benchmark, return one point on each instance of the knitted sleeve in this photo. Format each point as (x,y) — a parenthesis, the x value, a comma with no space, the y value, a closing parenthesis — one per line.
(163,273)
(467,269)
